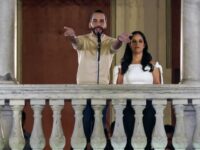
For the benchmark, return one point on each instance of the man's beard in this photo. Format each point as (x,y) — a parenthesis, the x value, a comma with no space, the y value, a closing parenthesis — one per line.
(97,30)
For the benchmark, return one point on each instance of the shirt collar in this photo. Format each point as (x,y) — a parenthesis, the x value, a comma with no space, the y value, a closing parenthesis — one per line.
(94,38)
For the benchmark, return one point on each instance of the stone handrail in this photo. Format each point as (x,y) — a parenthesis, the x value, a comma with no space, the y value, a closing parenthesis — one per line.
(159,94)
(50,91)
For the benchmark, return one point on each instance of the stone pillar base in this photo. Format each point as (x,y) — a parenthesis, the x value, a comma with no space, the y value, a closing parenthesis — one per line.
(192,82)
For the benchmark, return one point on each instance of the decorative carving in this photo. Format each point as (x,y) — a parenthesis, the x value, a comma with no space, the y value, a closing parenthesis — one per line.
(1,133)
(78,140)
(179,138)
(37,140)
(159,139)
(118,139)
(6,77)
(16,139)
(98,140)
(196,138)
(6,121)
(63,2)
(139,138)
(57,139)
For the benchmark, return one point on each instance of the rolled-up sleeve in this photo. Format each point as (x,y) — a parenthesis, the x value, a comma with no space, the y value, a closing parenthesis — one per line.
(79,44)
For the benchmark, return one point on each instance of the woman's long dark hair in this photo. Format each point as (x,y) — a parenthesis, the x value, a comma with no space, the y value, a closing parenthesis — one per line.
(127,58)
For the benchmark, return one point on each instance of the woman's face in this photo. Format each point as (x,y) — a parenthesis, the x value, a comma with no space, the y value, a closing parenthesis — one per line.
(137,44)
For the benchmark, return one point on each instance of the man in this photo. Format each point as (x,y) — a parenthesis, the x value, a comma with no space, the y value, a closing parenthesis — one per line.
(95,54)
(86,46)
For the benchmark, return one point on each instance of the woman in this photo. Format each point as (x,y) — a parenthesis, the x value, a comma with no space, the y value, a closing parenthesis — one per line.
(137,67)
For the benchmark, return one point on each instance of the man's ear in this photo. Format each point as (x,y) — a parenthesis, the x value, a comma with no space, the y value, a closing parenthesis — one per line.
(105,25)
(90,25)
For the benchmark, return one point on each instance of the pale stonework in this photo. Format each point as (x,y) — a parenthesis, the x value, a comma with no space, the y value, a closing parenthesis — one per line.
(7,15)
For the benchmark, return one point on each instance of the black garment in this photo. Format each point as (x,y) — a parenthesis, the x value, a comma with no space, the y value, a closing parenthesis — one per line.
(88,123)
(88,120)
(27,140)
(149,121)
(129,123)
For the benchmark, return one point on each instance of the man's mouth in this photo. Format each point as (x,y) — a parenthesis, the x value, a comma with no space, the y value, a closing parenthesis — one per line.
(98,30)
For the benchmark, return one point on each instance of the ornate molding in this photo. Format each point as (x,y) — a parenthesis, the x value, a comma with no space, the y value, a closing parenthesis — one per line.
(78,140)
(57,139)
(37,139)
(44,3)
(179,138)
(118,139)
(50,91)
(16,139)
(98,137)
(139,139)
(196,137)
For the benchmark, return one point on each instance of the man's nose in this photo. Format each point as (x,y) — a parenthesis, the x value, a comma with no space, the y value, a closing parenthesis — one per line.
(98,23)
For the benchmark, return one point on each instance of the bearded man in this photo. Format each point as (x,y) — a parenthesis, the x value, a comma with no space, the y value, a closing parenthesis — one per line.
(95,54)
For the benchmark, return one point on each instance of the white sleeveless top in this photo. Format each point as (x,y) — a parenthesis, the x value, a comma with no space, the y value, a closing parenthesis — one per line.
(136,75)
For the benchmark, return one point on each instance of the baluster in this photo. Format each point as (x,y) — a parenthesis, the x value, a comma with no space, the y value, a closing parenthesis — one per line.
(6,122)
(98,140)
(78,140)
(57,139)
(37,140)
(179,138)
(139,137)
(196,138)
(118,139)
(16,138)
(1,130)
(190,123)
(159,138)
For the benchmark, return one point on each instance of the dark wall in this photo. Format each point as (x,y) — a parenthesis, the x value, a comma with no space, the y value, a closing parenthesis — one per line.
(176,31)
(47,56)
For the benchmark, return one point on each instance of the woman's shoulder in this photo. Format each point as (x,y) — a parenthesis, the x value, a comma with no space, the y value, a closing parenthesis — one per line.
(158,67)
(155,63)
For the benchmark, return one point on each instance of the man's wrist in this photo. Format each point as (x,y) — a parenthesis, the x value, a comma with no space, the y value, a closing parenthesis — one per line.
(118,39)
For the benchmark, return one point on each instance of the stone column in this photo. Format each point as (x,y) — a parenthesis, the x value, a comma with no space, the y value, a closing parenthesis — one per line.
(98,140)
(7,40)
(190,59)
(7,18)
(191,44)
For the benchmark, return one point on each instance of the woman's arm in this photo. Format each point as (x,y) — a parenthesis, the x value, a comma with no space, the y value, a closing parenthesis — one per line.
(156,73)
(120,77)
(156,76)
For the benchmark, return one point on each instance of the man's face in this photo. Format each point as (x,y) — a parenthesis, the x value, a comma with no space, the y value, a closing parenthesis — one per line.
(98,23)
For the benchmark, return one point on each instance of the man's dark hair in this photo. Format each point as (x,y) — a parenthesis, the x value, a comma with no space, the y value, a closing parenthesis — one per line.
(98,11)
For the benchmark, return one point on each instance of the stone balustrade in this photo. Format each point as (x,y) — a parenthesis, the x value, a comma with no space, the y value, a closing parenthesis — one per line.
(56,94)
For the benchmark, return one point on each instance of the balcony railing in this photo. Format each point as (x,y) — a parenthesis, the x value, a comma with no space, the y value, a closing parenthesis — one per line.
(118,94)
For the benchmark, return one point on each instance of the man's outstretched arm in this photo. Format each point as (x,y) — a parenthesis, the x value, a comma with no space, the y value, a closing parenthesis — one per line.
(122,38)
(69,32)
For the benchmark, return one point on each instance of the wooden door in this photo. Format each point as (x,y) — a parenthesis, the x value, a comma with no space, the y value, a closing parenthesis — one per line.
(176,34)
(47,56)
